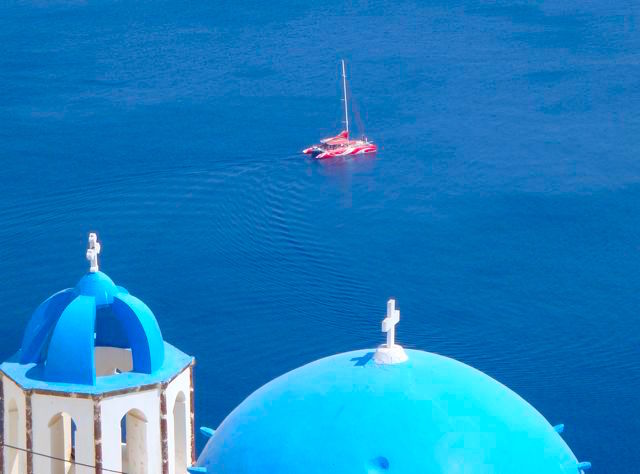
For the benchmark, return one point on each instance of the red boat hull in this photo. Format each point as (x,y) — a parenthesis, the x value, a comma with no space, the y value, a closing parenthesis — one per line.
(359,149)
(340,145)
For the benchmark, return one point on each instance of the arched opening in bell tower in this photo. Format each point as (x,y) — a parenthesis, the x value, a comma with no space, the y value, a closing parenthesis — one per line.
(62,432)
(180,434)
(112,347)
(134,443)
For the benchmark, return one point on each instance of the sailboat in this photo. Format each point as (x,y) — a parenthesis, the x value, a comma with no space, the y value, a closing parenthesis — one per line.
(341,144)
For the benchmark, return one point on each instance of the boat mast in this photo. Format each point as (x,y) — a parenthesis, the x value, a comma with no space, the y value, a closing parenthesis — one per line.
(344,87)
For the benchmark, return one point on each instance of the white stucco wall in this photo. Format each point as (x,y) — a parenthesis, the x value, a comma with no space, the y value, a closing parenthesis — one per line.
(181,384)
(44,409)
(47,434)
(15,462)
(112,409)
(108,359)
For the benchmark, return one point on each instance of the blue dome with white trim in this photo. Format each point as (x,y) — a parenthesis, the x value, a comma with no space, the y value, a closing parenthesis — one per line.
(349,414)
(65,330)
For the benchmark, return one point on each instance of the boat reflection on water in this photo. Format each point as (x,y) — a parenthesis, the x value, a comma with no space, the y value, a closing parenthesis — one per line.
(345,171)
(346,165)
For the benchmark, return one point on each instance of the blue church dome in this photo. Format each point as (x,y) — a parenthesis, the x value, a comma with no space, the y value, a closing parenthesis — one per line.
(65,329)
(349,414)
(93,338)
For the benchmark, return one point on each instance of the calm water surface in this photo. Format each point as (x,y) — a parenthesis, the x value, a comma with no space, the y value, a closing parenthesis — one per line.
(503,210)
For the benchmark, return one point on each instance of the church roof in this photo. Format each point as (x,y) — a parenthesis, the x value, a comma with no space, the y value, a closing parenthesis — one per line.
(386,410)
(58,349)
(347,413)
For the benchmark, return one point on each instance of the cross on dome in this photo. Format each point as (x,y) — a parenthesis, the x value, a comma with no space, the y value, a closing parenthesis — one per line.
(390,353)
(389,323)
(92,252)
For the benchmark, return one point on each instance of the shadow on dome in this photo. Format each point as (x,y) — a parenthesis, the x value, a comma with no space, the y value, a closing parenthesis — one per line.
(363,360)
(378,465)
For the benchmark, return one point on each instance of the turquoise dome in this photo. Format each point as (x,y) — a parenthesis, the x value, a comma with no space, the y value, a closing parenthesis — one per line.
(348,414)
(61,337)
(99,286)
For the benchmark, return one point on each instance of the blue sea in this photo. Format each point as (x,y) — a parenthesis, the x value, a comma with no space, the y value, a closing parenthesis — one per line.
(502,209)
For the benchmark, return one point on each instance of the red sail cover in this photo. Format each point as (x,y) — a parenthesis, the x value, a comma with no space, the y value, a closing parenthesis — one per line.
(341,139)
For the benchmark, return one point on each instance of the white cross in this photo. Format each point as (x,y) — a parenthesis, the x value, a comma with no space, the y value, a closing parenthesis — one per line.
(93,251)
(389,323)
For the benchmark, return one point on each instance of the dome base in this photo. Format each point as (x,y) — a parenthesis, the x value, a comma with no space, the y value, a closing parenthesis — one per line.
(390,355)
